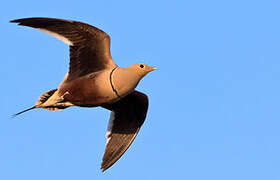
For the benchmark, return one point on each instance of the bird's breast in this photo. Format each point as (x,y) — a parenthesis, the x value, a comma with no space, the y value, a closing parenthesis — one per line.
(124,81)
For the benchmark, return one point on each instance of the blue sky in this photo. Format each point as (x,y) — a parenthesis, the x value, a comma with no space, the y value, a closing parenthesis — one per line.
(214,102)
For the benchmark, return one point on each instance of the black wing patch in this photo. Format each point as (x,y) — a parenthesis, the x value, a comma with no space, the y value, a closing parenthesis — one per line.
(126,119)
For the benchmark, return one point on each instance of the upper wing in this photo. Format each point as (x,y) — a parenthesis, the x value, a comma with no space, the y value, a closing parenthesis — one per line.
(127,116)
(89,46)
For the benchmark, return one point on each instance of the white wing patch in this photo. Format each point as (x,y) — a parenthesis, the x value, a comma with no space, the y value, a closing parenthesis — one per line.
(110,126)
(58,36)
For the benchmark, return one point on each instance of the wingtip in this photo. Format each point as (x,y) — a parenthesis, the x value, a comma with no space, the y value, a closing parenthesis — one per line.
(22,21)
(104,167)
(19,21)
(13,21)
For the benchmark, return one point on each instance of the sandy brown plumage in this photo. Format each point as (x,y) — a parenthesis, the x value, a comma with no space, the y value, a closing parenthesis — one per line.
(95,80)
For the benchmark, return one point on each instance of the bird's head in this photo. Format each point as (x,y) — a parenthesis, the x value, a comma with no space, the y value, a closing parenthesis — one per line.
(142,69)
(130,76)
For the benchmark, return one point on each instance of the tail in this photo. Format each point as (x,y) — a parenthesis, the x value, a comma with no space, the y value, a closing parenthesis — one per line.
(24,111)
(54,107)
(42,99)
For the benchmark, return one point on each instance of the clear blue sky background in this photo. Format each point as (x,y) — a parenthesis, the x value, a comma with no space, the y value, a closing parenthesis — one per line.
(214,102)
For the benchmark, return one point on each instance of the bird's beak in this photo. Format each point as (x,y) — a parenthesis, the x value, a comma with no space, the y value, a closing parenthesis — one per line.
(154,68)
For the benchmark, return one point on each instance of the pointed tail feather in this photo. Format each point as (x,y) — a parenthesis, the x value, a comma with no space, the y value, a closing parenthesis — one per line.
(24,111)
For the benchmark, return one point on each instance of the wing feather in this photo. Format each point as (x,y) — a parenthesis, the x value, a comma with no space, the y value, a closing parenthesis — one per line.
(126,119)
(89,46)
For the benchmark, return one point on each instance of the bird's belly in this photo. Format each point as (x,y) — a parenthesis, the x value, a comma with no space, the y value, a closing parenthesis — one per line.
(90,91)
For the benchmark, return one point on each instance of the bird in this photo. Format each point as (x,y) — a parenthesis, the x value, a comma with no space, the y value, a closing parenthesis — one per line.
(95,80)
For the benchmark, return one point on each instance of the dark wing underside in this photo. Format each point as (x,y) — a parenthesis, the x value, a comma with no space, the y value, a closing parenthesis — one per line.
(127,117)
(89,46)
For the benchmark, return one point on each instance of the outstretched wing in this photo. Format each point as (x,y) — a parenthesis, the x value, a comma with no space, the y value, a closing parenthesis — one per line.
(127,116)
(89,46)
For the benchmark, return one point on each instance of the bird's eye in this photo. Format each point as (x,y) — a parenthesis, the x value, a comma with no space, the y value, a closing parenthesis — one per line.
(141,66)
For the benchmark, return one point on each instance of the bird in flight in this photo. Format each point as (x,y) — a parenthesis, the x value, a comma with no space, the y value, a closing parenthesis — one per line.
(95,80)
